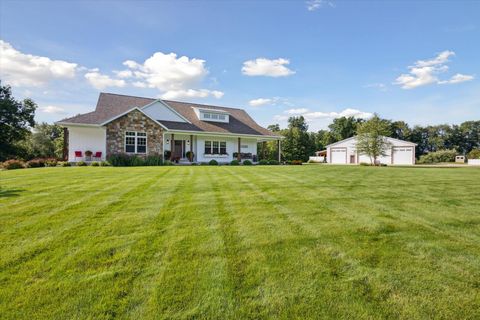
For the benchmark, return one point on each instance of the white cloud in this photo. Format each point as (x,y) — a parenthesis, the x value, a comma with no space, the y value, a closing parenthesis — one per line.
(21,69)
(425,72)
(53,110)
(191,93)
(124,74)
(102,81)
(313,116)
(166,72)
(457,79)
(313,5)
(267,67)
(296,111)
(260,102)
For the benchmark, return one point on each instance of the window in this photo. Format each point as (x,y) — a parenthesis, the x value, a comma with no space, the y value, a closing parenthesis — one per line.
(216,147)
(135,142)
(206,115)
(221,117)
(223,147)
(208,147)
(214,116)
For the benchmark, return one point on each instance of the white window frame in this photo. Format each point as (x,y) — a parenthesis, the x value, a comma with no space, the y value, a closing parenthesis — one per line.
(219,148)
(135,136)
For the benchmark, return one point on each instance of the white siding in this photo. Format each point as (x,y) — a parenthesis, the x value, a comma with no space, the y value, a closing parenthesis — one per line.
(350,146)
(159,111)
(86,138)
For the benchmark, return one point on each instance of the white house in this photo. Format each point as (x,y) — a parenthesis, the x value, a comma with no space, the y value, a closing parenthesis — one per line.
(144,126)
(344,152)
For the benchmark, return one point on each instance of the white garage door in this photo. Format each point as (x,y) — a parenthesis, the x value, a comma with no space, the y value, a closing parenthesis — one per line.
(402,155)
(338,155)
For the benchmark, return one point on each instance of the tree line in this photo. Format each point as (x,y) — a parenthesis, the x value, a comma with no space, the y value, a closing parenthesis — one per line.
(299,143)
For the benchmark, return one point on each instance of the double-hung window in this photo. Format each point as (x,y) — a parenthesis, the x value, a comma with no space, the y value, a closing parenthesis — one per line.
(135,142)
(216,147)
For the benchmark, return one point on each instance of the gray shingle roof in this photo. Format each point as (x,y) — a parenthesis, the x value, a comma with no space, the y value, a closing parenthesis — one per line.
(110,105)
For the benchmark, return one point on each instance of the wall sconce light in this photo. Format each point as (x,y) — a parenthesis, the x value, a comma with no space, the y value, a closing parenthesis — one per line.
(188,142)
(168,141)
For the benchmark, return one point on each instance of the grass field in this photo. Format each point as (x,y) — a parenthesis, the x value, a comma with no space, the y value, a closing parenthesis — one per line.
(240,242)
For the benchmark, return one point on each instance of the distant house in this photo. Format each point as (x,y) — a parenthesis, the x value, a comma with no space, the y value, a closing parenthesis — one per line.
(344,152)
(144,126)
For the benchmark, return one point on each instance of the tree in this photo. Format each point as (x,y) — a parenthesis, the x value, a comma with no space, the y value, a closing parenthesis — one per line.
(46,141)
(297,144)
(371,138)
(15,120)
(274,127)
(400,130)
(343,127)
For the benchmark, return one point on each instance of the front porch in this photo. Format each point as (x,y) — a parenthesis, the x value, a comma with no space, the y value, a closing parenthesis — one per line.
(185,148)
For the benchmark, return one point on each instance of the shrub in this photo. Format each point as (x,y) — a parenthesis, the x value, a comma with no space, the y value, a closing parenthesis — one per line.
(153,160)
(273,162)
(247,163)
(297,162)
(204,163)
(13,164)
(95,164)
(438,156)
(190,155)
(474,154)
(365,164)
(105,164)
(125,160)
(213,162)
(64,164)
(35,163)
(234,162)
(194,164)
(168,163)
(263,162)
(81,164)
(51,162)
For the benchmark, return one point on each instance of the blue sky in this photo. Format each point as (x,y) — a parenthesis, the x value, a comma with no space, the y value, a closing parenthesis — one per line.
(413,61)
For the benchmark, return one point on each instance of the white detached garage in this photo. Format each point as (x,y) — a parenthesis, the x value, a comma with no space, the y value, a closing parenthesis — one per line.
(345,152)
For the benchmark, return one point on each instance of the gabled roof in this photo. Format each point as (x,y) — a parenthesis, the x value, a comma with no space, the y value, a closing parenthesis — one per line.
(355,137)
(111,105)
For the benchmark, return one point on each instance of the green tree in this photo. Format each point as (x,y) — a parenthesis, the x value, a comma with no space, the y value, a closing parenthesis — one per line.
(371,138)
(16,117)
(297,144)
(46,141)
(343,127)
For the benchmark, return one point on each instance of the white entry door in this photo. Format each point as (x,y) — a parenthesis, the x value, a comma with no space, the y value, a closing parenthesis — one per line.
(338,155)
(402,155)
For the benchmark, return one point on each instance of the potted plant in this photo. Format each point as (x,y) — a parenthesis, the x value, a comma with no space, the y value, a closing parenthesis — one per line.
(190,155)
(88,155)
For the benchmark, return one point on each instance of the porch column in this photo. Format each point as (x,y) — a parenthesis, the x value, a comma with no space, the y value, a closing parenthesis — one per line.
(191,146)
(172,146)
(279,151)
(65,143)
(239,157)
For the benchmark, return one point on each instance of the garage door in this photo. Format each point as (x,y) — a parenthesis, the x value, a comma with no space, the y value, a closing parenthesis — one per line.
(338,155)
(402,155)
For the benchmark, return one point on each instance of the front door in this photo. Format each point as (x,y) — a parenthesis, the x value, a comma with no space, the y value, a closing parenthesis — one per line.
(352,158)
(178,152)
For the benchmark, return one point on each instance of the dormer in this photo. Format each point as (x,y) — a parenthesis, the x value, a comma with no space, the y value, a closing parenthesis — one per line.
(212,115)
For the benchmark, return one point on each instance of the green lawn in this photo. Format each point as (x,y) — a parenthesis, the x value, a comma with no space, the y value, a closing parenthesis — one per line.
(240,242)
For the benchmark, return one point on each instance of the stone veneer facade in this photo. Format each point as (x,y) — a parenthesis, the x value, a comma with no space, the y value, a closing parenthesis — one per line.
(134,121)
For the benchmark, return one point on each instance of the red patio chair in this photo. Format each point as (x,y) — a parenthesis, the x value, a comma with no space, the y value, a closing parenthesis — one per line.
(78,154)
(97,155)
